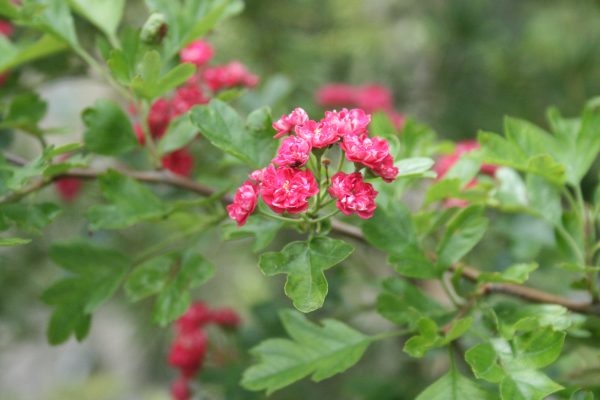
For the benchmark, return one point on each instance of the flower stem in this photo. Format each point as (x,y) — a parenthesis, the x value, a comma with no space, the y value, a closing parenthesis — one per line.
(279,217)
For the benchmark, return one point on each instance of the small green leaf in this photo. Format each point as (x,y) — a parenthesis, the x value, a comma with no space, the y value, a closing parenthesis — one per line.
(103,14)
(518,273)
(429,337)
(464,231)
(539,348)
(12,56)
(181,132)
(109,131)
(320,351)
(25,109)
(130,203)
(544,198)
(484,362)
(97,273)
(264,230)
(403,303)
(454,386)
(149,278)
(414,166)
(175,298)
(57,20)
(527,385)
(304,263)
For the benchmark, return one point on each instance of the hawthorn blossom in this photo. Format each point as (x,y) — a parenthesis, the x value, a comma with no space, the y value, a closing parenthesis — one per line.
(288,123)
(373,98)
(319,134)
(198,52)
(244,202)
(353,194)
(187,352)
(257,175)
(6,28)
(228,76)
(68,188)
(336,95)
(179,162)
(159,117)
(293,152)
(185,98)
(353,122)
(446,162)
(286,189)
(386,169)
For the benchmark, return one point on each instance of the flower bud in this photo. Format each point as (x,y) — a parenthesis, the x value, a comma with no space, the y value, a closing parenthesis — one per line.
(155,29)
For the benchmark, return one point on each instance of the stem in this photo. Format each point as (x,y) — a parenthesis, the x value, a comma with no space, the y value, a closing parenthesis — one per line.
(91,61)
(324,217)
(449,293)
(279,217)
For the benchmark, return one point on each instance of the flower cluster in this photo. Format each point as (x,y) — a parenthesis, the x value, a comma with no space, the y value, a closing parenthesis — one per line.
(370,98)
(197,90)
(189,347)
(446,162)
(288,184)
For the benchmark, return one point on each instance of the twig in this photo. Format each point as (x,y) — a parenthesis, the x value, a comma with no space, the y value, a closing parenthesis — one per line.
(167,178)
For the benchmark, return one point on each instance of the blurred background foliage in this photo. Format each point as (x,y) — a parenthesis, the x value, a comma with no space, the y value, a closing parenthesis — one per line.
(457,65)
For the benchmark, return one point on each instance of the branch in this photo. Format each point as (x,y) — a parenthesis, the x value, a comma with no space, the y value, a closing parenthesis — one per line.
(165,177)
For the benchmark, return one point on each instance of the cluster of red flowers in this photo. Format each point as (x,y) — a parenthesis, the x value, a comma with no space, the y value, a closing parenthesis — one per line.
(446,162)
(197,90)
(189,347)
(6,29)
(287,185)
(371,98)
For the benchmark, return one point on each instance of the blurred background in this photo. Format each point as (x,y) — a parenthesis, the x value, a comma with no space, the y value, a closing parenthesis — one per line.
(457,65)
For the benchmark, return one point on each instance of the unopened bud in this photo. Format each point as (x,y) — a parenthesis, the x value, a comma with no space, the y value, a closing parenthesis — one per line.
(155,29)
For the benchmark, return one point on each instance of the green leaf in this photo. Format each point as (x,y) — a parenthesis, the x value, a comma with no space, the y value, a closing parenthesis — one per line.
(181,132)
(130,203)
(392,230)
(12,56)
(587,144)
(175,298)
(224,128)
(149,83)
(454,386)
(57,20)
(304,263)
(444,189)
(30,217)
(414,166)
(429,337)
(514,366)
(320,351)
(544,199)
(465,170)
(25,109)
(518,273)
(105,15)
(403,303)
(264,230)
(464,231)
(96,273)
(527,385)
(148,278)
(108,130)
(13,241)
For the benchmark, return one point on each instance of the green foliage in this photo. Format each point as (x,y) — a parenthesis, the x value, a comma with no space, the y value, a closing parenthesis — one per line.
(319,351)
(15,54)
(429,336)
(223,127)
(464,231)
(94,274)
(109,131)
(181,131)
(304,264)
(148,82)
(130,203)
(106,16)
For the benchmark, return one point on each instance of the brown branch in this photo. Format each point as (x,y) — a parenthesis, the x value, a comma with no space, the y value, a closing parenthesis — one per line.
(167,178)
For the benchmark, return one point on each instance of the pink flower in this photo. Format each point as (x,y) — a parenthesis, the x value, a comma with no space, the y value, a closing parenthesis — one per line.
(187,352)
(365,150)
(228,76)
(353,122)
(386,169)
(320,134)
(336,95)
(374,98)
(198,52)
(353,194)
(257,175)
(179,162)
(288,189)
(6,28)
(180,389)
(68,188)
(446,162)
(288,123)
(159,117)
(139,133)
(244,202)
(226,317)
(187,97)
(293,152)
(194,318)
